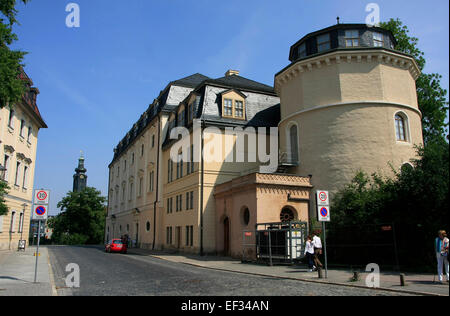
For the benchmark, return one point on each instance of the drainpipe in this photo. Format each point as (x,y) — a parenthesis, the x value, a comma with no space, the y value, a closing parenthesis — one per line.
(157,183)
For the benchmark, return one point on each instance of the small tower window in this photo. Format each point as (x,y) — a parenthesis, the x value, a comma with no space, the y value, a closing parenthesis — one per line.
(378,40)
(302,50)
(351,38)
(323,43)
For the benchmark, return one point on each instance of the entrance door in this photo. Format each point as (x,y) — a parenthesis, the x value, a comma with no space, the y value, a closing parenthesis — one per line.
(226,236)
(178,237)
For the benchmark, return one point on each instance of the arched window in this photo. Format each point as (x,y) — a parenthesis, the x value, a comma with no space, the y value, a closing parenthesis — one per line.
(287,215)
(293,144)
(401,129)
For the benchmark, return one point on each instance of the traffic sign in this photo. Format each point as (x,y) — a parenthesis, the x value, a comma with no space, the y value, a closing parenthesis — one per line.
(323,198)
(41,197)
(40,212)
(324,213)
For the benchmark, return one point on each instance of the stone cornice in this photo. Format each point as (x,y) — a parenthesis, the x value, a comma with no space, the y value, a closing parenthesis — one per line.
(347,56)
(260,180)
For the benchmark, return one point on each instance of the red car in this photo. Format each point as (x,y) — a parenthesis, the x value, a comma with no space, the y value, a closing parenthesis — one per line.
(116,245)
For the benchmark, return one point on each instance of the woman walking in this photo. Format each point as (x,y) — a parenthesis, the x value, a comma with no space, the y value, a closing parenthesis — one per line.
(309,253)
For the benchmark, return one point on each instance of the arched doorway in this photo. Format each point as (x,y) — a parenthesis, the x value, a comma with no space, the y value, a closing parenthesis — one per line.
(226,236)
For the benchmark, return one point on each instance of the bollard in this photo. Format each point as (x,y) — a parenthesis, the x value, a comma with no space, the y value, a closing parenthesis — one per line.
(356,276)
(320,273)
(402,279)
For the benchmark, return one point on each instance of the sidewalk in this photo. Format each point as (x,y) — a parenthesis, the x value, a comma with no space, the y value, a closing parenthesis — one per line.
(419,284)
(17,273)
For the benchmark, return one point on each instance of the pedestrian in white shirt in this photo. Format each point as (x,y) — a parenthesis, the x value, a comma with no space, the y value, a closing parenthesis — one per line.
(309,253)
(317,244)
(441,247)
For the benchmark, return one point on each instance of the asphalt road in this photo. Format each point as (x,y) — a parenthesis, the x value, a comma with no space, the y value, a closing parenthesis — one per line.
(103,274)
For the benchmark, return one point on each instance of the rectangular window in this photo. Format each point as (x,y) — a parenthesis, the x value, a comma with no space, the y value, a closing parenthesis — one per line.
(25,177)
(141,183)
(30,131)
(16,179)
(378,40)
(351,38)
(152,174)
(239,109)
(153,141)
(6,165)
(192,200)
(302,50)
(12,229)
(323,43)
(191,241)
(181,202)
(228,107)
(11,119)
(188,203)
(22,128)
(21,223)
(131,192)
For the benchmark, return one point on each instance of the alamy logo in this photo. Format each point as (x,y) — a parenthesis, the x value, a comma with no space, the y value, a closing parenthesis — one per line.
(228,145)
(73,278)
(373,18)
(73,18)
(373,278)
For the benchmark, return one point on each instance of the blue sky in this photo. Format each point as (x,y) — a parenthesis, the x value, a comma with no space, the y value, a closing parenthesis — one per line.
(96,80)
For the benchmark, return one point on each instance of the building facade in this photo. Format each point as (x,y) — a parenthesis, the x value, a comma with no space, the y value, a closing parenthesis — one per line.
(19,128)
(347,102)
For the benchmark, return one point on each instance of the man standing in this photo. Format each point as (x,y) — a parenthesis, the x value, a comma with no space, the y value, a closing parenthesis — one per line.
(317,244)
(441,247)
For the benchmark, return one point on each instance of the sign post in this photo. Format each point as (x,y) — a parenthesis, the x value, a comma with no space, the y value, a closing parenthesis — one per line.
(39,214)
(323,211)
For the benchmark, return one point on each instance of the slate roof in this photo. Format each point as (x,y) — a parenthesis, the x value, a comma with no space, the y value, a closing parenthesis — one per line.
(238,82)
(191,81)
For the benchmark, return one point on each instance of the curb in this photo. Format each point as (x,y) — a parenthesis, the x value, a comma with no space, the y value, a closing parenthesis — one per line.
(51,275)
(309,280)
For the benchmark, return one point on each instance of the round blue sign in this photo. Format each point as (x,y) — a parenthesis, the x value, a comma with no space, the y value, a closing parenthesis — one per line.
(40,210)
(324,212)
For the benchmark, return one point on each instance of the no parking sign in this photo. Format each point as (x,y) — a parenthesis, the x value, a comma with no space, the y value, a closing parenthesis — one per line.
(324,214)
(40,212)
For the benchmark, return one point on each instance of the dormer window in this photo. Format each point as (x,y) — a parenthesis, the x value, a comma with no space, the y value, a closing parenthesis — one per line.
(378,40)
(351,38)
(323,43)
(233,104)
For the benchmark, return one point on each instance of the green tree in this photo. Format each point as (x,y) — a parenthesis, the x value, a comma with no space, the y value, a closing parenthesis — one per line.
(416,200)
(431,96)
(82,218)
(11,61)
(4,189)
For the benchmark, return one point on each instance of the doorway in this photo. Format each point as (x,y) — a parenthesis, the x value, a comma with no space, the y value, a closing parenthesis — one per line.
(226,236)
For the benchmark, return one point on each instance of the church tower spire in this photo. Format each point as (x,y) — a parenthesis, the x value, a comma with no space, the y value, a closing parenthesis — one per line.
(80,177)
